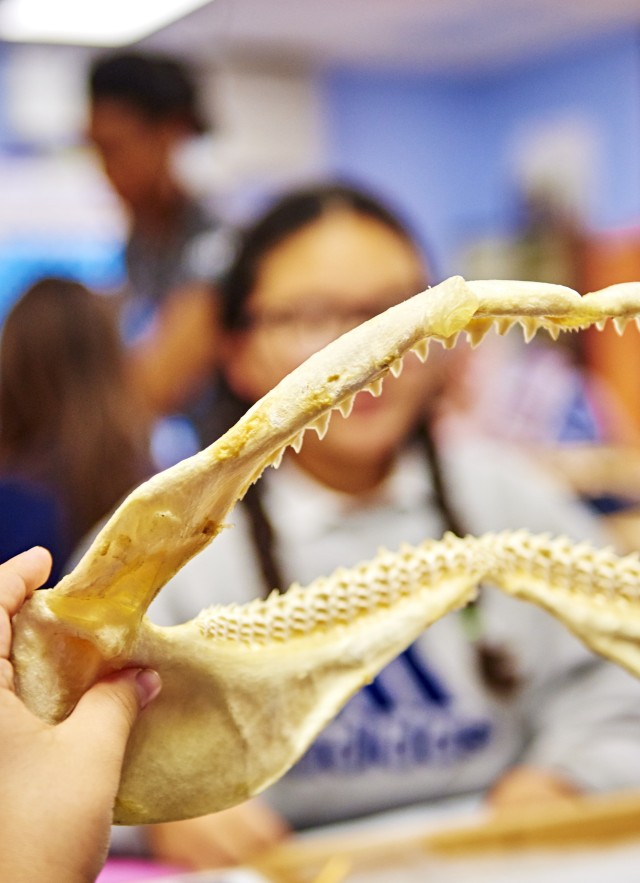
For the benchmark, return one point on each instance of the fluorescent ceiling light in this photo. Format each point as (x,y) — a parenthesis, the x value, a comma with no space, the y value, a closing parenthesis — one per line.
(105,23)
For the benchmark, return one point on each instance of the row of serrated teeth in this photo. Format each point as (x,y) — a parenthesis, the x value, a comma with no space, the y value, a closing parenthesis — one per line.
(474,335)
(530,326)
(321,424)
(347,595)
(578,569)
(619,323)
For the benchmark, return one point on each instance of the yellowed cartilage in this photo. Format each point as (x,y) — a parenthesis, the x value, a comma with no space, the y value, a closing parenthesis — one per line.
(246,689)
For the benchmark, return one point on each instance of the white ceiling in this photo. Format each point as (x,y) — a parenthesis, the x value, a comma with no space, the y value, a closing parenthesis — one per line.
(431,34)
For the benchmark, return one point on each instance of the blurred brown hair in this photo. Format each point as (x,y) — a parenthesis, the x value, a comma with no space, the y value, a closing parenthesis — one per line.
(67,418)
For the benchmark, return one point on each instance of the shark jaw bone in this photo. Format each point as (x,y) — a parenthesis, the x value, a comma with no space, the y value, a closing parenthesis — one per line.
(206,743)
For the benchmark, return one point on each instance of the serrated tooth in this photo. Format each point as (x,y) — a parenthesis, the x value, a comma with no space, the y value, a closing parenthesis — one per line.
(504,325)
(529,328)
(637,321)
(421,349)
(346,405)
(277,459)
(620,323)
(321,424)
(476,334)
(375,388)
(296,444)
(396,368)
(602,324)
(553,330)
(449,342)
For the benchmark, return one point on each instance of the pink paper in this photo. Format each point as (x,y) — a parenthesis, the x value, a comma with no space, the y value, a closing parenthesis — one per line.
(131,870)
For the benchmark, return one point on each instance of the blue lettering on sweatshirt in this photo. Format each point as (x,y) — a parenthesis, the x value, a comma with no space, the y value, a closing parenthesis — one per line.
(405,718)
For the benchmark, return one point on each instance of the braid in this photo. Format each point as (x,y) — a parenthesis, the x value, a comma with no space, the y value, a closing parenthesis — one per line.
(263,540)
(229,409)
(447,511)
(496,664)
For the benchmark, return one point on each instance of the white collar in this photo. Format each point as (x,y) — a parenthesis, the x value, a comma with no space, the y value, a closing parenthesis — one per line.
(309,508)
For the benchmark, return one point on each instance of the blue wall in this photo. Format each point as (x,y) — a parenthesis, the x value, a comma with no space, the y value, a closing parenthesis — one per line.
(28,254)
(440,145)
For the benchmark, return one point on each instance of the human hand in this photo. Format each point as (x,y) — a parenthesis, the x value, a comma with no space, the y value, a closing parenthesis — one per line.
(59,782)
(525,785)
(220,839)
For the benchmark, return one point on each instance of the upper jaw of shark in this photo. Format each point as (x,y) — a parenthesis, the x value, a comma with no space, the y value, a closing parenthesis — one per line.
(204,744)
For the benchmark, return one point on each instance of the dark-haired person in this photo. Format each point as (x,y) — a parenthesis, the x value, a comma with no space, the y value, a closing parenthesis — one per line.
(143,108)
(59,783)
(72,438)
(499,701)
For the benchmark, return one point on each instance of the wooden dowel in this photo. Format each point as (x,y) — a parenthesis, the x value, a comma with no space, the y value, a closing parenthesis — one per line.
(574,821)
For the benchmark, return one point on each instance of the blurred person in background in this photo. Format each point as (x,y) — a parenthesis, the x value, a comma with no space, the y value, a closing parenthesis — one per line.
(143,109)
(498,701)
(72,439)
(546,395)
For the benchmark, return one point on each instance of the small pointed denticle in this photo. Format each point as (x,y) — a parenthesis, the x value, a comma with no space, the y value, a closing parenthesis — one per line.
(376,387)
(297,443)
(529,328)
(322,424)
(449,342)
(276,460)
(552,330)
(421,349)
(504,325)
(620,324)
(246,689)
(395,368)
(477,331)
(346,406)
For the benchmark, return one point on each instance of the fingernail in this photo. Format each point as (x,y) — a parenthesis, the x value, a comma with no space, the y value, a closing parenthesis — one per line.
(148,685)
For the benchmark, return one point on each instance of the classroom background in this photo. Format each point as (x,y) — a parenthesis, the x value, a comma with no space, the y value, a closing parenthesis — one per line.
(506,131)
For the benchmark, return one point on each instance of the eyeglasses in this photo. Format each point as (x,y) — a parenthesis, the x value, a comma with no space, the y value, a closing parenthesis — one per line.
(315,320)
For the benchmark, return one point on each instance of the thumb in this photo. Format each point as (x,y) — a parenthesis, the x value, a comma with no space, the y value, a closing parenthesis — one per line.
(105,715)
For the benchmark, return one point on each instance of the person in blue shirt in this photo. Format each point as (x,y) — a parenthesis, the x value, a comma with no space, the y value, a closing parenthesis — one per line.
(72,440)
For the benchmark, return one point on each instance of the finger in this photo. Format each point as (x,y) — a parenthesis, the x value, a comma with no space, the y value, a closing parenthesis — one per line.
(244,831)
(266,825)
(6,675)
(21,575)
(101,722)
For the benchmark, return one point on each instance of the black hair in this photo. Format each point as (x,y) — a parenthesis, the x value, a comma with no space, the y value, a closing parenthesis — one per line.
(158,86)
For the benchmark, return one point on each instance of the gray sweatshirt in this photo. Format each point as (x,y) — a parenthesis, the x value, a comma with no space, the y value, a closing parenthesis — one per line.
(429,727)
